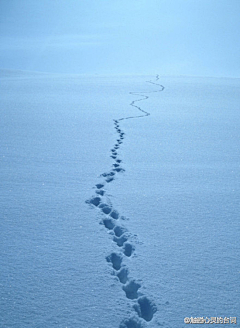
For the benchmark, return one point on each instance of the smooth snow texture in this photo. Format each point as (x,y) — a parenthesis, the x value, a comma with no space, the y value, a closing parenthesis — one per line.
(157,240)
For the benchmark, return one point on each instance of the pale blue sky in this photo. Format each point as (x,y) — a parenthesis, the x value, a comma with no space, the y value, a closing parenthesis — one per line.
(187,37)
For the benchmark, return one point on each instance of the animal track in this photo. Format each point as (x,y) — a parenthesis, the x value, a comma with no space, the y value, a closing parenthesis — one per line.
(105,208)
(100,192)
(109,224)
(131,289)
(119,231)
(94,201)
(119,169)
(123,275)
(110,174)
(109,180)
(128,249)
(115,259)
(114,214)
(99,185)
(143,307)
(131,323)
(120,240)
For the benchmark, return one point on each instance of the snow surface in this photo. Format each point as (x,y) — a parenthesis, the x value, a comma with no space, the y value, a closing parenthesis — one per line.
(119,200)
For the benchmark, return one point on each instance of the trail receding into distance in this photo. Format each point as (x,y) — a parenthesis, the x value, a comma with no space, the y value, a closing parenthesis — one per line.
(143,307)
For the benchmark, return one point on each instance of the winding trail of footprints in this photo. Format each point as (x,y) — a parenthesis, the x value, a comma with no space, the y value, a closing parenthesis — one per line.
(113,222)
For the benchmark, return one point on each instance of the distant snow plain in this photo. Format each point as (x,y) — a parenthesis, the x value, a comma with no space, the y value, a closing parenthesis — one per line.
(115,222)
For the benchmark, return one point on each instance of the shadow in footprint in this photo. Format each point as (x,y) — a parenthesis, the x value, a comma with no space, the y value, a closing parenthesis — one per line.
(131,289)
(108,223)
(109,180)
(128,249)
(120,240)
(106,209)
(100,192)
(119,170)
(114,214)
(123,275)
(145,308)
(119,231)
(115,259)
(94,201)
(99,185)
(131,323)
(110,174)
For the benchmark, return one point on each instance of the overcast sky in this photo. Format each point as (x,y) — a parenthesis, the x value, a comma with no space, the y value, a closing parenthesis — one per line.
(187,37)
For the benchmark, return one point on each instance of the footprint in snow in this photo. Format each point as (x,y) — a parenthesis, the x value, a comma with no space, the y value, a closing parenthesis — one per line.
(144,307)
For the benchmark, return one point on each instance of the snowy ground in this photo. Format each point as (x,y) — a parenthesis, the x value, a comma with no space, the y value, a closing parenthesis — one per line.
(141,238)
